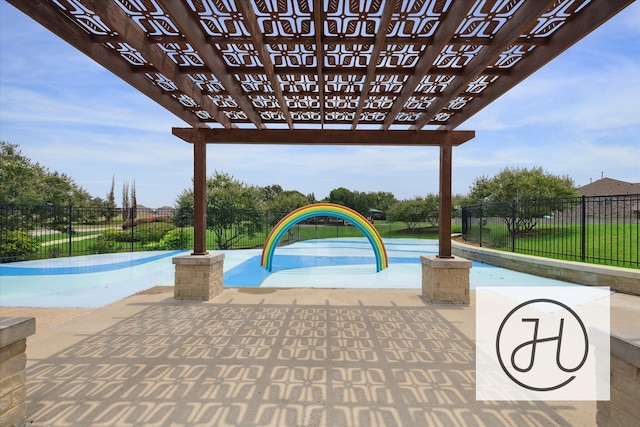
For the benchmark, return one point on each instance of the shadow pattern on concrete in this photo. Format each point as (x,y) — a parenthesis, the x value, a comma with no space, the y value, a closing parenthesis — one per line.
(204,364)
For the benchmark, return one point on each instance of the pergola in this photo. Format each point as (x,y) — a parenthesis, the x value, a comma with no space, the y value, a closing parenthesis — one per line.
(322,72)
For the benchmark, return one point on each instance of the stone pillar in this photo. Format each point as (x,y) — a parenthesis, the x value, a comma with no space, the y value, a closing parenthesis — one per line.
(13,362)
(445,280)
(198,277)
(622,408)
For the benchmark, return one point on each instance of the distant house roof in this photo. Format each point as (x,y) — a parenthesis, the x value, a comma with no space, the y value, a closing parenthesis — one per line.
(609,187)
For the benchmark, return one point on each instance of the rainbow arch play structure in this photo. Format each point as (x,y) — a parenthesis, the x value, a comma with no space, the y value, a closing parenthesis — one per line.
(324,209)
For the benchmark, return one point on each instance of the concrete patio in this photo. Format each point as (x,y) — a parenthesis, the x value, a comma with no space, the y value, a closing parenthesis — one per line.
(272,357)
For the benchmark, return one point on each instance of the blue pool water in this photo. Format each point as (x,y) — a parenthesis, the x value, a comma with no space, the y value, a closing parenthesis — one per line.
(97,280)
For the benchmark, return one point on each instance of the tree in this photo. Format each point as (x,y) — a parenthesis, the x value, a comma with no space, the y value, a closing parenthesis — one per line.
(39,196)
(283,203)
(380,200)
(520,187)
(233,208)
(361,202)
(270,192)
(414,211)
(521,184)
(311,198)
(287,201)
(346,197)
(134,203)
(457,202)
(24,182)
(109,210)
(19,177)
(125,202)
(129,204)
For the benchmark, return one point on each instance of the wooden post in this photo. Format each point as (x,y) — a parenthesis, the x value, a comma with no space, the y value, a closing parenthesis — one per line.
(444,220)
(199,198)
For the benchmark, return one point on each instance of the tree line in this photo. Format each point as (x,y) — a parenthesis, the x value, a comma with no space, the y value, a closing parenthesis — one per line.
(25,182)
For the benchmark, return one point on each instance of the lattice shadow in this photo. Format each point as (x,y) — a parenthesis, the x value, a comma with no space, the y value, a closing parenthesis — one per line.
(266,364)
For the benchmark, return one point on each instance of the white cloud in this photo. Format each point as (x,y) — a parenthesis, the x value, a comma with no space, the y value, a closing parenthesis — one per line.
(604,98)
(78,108)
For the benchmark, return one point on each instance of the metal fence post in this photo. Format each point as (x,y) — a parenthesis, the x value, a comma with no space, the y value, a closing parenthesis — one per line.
(132,219)
(2,214)
(183,221)
(70,230)
(464,224)
(513,226)
(480,224)
(583,228)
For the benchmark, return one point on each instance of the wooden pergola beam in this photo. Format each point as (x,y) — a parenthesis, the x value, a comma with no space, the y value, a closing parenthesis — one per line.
(118,20)
(190,27)
(319,70)
(567,35)
(42,12)
(251,21)
(395,138)
(456,14)
(378,45)
(511,32)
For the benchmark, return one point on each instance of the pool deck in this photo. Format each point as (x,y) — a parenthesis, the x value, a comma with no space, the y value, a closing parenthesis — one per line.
(273,357)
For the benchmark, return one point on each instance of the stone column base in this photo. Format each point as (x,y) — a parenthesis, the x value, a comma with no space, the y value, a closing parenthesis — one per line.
(624,372)
(198,277)
(13,361)
(445,280)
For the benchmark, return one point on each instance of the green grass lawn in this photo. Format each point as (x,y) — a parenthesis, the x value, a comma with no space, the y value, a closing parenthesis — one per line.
(58,244)
(301,232)
(610,244)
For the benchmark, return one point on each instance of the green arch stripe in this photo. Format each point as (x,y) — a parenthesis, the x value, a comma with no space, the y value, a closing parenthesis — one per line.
(324,209)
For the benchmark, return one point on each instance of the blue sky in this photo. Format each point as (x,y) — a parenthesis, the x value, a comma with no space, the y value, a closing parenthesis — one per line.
(578,116)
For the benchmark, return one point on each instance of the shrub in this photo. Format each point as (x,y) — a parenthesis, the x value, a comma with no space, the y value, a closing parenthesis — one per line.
(140,221)
(55,252)
(18,245)
(151,232)
(108,242)
(111,235)
(175,239)
(104,246)
(153,246)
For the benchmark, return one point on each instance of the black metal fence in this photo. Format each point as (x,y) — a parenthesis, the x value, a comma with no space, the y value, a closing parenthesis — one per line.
(36,232)
(601,229)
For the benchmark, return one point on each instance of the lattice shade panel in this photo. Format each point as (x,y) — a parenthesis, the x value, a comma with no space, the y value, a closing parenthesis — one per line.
(350,64)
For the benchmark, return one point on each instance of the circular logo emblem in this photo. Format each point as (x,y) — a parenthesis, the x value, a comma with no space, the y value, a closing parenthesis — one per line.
(541,343)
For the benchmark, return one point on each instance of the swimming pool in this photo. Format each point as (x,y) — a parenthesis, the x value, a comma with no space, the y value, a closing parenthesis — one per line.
(97,280)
